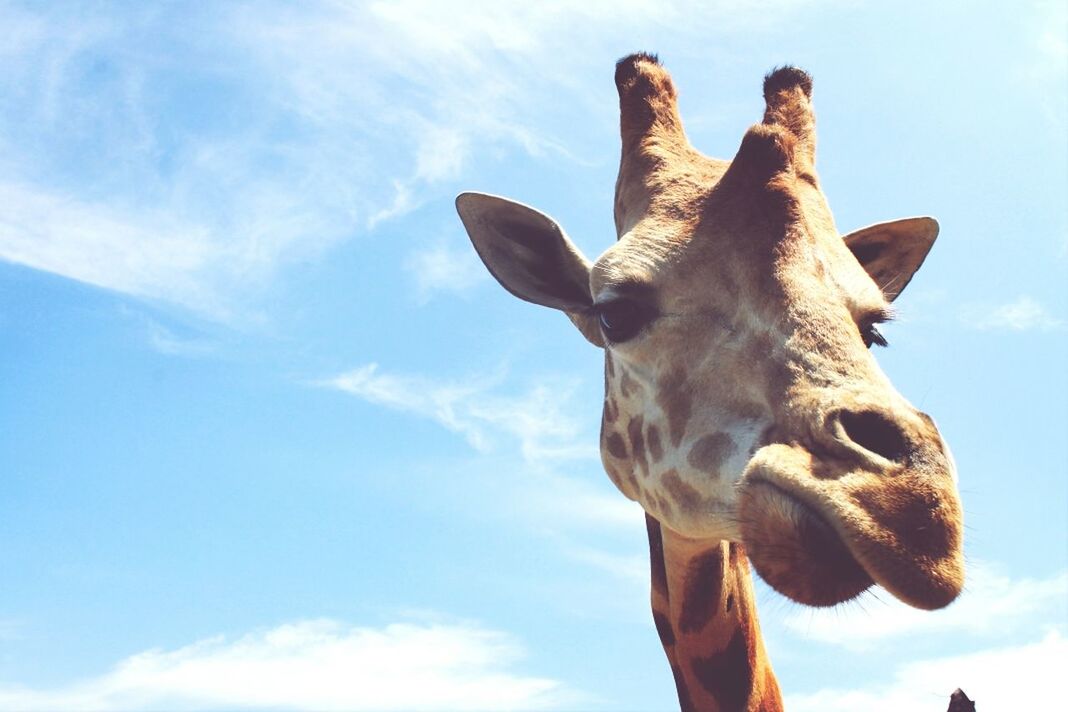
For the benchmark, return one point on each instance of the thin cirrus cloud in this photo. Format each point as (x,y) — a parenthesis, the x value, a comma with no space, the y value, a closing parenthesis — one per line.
(1024,313)
(441,269)
(283,133)
(320,664)
(537,420)
(538,429)
(187,159)
(144,254)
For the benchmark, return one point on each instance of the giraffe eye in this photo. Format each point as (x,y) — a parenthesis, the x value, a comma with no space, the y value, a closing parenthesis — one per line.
(622,319)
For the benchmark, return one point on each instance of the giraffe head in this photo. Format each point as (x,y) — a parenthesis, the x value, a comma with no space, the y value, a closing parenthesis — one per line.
(742,401)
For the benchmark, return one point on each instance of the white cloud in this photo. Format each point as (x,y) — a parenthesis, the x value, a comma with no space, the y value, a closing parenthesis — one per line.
(321,665)
(537,423)
(1019,677)
(1048,63)
(1052,42)
(537,419)
(184,155)
(991,603)
(1022,314)
(146,255)
(440,268)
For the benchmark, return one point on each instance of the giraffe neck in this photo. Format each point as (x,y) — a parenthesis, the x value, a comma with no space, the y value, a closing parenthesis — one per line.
(704,611)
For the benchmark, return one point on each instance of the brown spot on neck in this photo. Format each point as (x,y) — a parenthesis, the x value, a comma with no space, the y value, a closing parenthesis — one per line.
(637,443)
(656,555)
(611,409)
(664,629)
(705,615)
(703,588)
(710,452)
(627,384)
(617,448)
(652,439)
(728,676)
(686,497)
(676,401)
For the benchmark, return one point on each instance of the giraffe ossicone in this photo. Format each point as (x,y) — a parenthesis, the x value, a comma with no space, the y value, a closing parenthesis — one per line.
(743,408)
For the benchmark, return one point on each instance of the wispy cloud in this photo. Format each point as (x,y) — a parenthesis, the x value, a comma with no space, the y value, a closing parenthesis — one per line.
(322,665)
(1022,314)
(1048,62)
(536,431)
(991,603)
(187,154)
(1052,42)
(166,342)
(147,255)
(128,168)
(441,268)
(537,419)
(1014,677)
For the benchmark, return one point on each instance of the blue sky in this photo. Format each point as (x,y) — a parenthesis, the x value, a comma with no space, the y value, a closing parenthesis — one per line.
(270,436)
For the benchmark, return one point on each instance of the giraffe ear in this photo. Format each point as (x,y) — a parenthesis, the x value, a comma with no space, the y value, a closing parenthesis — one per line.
(891,252)
(531,256)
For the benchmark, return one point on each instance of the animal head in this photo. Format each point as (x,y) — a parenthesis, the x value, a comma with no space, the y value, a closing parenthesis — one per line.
(742,401)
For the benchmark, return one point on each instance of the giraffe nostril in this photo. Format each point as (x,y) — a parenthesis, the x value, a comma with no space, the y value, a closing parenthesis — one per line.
(875,432)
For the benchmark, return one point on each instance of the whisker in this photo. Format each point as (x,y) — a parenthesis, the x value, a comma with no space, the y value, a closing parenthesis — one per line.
(890,283)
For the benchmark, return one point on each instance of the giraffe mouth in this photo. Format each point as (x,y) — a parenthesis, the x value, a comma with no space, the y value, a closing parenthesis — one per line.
(796,551)
(820,532)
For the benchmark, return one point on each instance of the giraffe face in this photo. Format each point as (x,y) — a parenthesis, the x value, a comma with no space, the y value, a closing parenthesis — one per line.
(714,318)
(741,400)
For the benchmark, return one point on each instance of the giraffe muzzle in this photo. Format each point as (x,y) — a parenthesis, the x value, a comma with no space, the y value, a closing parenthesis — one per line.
(821,529)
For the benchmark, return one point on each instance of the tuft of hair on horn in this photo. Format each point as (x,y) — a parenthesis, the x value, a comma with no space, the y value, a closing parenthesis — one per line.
(786,78)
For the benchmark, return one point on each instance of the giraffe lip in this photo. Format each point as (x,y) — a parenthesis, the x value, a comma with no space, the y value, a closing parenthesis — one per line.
(903,531)
(796,550)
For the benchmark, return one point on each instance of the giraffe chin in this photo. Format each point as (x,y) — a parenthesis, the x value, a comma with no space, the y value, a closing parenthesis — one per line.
(796,551)
(807,528)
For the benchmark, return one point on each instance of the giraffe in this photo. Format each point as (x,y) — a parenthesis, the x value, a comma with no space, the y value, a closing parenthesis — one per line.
(743,407)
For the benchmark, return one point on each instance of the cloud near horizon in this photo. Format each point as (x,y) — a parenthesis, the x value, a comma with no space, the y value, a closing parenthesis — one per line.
(1011,677)
(317,664)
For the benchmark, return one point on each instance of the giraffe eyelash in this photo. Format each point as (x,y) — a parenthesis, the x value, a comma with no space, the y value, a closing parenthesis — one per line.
(871,335)
(868,331)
